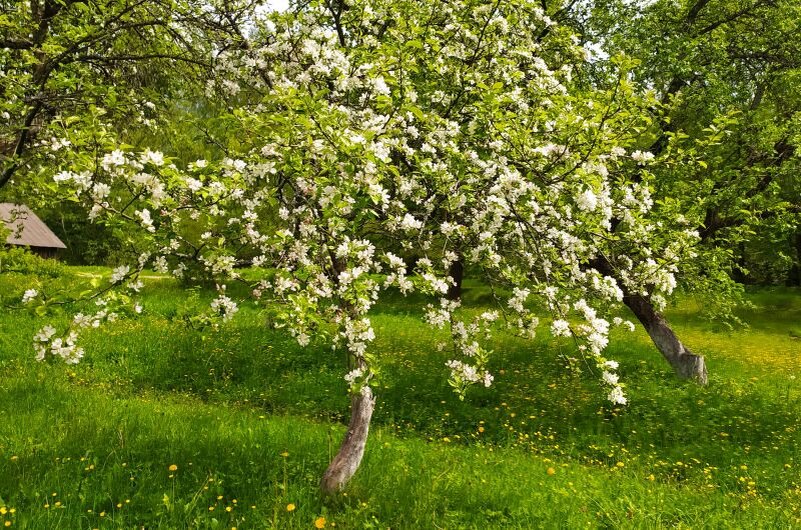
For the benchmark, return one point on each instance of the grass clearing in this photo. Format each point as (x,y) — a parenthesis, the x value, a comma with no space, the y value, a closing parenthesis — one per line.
(541,448)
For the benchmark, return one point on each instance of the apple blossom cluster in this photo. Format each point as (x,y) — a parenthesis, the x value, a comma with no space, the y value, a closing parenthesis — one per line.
(109,303)
(65,346)
(379,156)
(224,307)
(466,339)
(29,295)
(46,341)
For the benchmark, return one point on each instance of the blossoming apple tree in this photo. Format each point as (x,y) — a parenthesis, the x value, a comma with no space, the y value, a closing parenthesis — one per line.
(725,139)
(380,142)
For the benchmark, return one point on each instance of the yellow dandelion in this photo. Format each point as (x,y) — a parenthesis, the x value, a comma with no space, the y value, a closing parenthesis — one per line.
(173,467)
(285,454)
(551,471)
(290,507)
(319,522)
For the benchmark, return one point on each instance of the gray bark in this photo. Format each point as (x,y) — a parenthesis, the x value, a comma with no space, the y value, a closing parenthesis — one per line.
(347,460)
(686,364)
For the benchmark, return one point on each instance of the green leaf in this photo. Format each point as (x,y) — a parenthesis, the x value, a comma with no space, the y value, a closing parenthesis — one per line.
(418,113)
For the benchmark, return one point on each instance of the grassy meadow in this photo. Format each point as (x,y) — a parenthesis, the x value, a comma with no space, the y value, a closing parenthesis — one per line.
(163,426)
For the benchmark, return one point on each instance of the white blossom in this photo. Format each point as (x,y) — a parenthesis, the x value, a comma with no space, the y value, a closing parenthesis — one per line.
(560,328)
(119,273)
(29,295)
(642,157)
(224,307)
(616,396)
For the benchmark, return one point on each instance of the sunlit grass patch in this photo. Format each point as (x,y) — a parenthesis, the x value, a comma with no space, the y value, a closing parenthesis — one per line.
(168,426)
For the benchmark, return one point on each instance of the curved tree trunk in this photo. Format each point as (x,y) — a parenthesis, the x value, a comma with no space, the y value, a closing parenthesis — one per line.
(350,454)
(686,364)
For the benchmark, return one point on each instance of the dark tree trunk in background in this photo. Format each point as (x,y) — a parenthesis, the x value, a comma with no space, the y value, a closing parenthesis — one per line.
(794,278)
(686,364)
(737,273)
(456,271)
(350,454)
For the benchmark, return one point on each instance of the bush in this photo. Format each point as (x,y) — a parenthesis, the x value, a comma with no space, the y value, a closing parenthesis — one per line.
(16,259)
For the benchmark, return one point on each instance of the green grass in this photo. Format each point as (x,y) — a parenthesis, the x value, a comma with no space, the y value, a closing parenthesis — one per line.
(225,407)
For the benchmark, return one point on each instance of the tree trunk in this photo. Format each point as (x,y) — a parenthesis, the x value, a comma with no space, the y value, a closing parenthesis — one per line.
(456,271)
(686,364)
(350,454)
(794,277)
(738,272)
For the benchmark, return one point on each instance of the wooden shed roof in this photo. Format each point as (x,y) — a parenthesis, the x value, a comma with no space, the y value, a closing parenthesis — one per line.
(34,232)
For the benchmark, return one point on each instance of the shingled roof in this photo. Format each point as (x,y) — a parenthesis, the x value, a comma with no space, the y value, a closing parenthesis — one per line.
(34,232)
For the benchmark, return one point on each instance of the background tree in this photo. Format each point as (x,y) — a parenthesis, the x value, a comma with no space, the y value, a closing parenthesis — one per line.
(77,73)
(120,62)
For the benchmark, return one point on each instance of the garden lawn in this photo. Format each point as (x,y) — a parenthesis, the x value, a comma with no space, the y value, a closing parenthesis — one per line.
(165,426)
